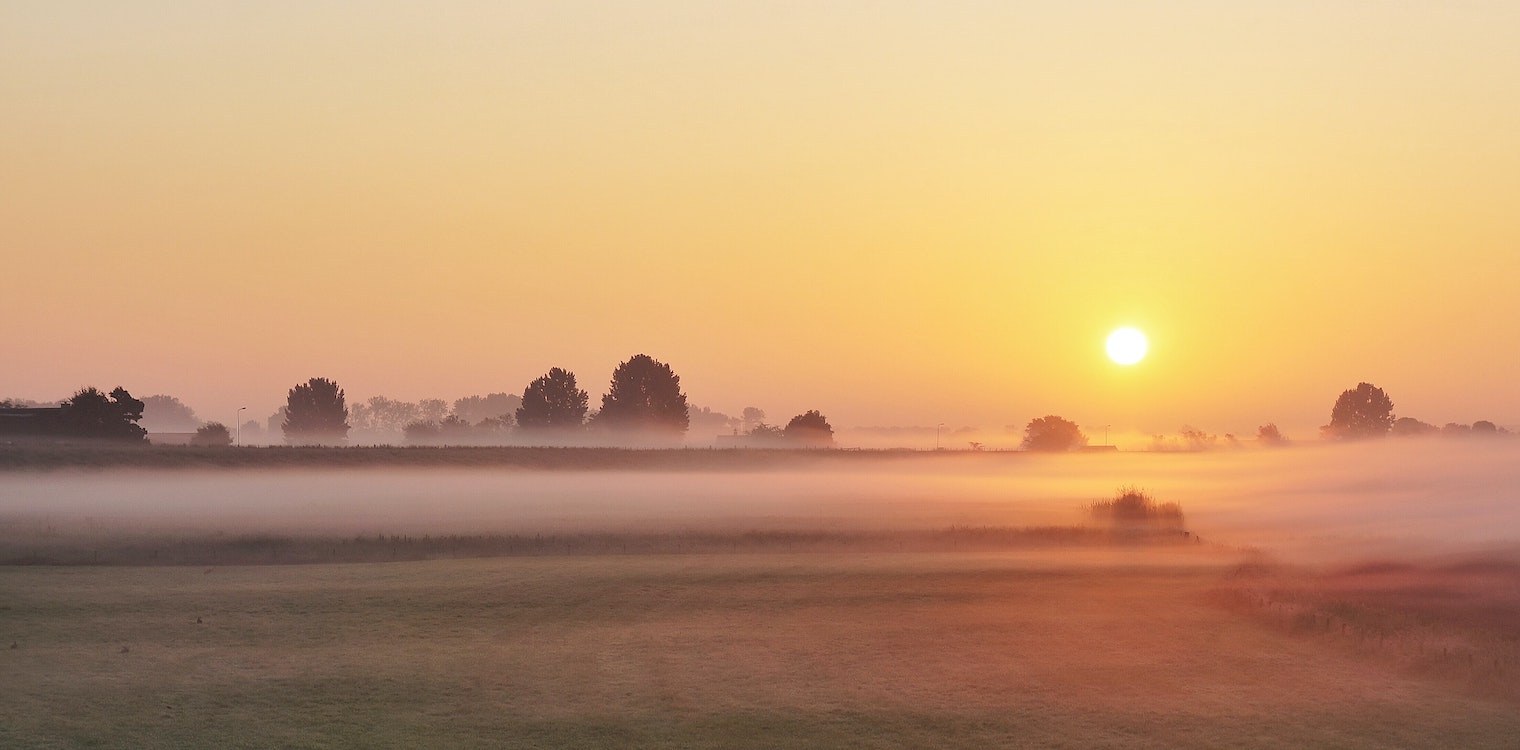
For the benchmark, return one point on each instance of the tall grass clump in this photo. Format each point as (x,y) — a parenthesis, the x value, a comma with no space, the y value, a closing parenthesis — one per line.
(1131,506)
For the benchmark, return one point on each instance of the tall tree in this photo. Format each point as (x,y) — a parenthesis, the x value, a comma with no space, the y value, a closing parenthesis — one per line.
(315,413)
(810,429)
(92,414)
(552,404)
(1362,412)
(645,397)
(1053,434)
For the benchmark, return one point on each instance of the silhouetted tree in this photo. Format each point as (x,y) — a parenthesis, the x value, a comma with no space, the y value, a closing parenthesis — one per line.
(1455,429)
(168,414)
(810,430)
(1362,412)
(315,413)
(1052,434)
(765,435)
(212,434)
(1485,428)
(1268,435)
(92,414)
(552,404)
(1411,427)
(645,397)
(421,432)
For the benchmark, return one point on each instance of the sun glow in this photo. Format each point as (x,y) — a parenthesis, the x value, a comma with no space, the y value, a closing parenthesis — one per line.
(1127,346)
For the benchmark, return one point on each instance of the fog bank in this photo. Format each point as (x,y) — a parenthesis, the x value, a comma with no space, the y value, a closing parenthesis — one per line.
(1324,500)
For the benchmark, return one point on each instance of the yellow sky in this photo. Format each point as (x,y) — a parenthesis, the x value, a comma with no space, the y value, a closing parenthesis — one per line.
(896,213)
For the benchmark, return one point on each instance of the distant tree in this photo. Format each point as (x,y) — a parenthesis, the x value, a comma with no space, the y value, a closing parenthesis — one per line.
(381,414)
(474,409)
(752,416)
(810,430)
(92,414)
(1052,434)
(168,414)
(315,414)
(494,430)
(1455,429)
(766,435)
(433,409)
(421,432)
(1485,428)
(212,434)
(1194,439)
(1362,412)
(705,421)
(1411,427)
(1268,435)
(552,404)
(645,397)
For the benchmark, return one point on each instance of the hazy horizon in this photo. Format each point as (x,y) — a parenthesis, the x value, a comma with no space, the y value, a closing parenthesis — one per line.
(895,214)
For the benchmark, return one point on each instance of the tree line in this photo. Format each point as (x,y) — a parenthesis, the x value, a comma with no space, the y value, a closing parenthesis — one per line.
(644,407)
(1361,413)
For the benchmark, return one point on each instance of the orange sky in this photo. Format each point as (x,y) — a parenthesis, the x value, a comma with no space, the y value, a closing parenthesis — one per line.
(896,213)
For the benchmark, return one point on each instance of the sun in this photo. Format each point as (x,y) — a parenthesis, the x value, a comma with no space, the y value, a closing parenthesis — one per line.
(1127,346)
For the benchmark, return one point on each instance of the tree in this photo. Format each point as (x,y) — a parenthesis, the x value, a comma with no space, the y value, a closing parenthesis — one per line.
(212,434)
(1362,412)
(168,414)
(1268,435)
(765,435)
(1052,434)
(1411,427)
(552,403)
(709,422)
(91,414)
(810,430)
(645,397)
(1485,428)
(315,413)
(474,409)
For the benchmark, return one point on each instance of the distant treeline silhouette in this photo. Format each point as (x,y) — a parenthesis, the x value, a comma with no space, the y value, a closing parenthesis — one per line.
(644,407)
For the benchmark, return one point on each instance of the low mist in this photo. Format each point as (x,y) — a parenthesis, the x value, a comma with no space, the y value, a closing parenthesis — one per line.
(1322,501)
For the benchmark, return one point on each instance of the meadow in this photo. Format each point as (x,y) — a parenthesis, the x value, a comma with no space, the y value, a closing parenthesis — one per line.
(1102,647)
(940,603)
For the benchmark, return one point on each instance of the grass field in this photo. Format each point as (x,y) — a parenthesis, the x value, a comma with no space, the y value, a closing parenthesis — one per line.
(1078,648)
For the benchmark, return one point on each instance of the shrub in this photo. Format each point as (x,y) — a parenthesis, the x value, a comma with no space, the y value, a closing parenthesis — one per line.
(1131,506)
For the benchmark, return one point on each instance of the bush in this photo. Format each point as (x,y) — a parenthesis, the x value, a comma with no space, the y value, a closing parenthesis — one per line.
(1132,506)
(213,434)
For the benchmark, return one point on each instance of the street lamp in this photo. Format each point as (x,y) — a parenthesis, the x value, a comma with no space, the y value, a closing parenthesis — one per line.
(937,429)
(238,418)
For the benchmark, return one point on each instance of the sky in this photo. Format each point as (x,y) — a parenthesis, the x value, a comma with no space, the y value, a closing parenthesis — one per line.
(896,213)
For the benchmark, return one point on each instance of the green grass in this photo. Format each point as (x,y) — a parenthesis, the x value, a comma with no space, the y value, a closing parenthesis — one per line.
(1115,647)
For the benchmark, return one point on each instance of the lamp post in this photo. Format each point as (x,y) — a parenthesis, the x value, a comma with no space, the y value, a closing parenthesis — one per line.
(937,429)
(238,418)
